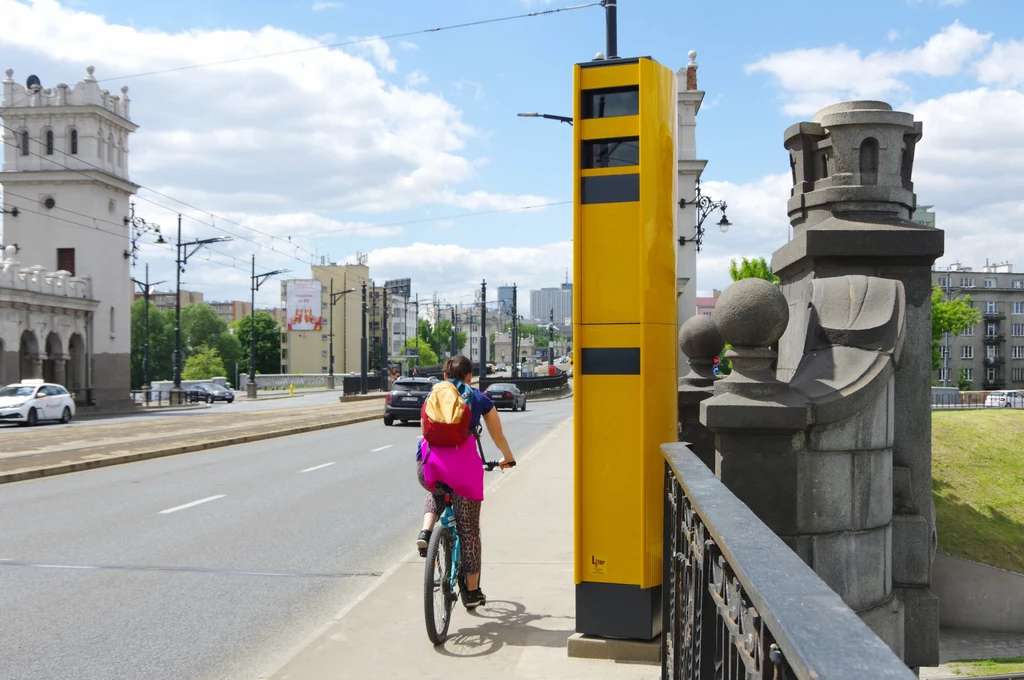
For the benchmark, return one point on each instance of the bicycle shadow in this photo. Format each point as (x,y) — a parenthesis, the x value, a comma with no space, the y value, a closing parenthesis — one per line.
(505,622)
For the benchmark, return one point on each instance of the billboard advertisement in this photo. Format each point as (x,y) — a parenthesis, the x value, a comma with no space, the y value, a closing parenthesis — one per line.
(303,305)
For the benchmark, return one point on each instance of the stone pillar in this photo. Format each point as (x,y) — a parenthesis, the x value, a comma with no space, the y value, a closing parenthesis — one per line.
(757,420)
(36,365)
(701,342)
(850,208)
(60,362)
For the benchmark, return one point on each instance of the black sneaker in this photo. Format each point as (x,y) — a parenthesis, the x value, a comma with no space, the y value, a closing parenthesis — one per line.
(474,599)
(422,541)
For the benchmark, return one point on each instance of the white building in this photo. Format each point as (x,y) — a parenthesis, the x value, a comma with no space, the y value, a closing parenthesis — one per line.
(688,99)
(65,171)
(402,320)
(546,299)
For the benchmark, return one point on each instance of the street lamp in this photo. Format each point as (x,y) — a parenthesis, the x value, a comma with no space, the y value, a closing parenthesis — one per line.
(334,299)
(147,288)
(561,119)
(705,206)
(257,281)
(181,259)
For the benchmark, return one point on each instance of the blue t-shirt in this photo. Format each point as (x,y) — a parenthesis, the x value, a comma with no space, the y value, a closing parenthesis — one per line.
(481,404)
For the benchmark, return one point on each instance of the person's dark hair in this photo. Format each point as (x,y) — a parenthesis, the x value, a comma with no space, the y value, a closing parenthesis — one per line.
(458,368)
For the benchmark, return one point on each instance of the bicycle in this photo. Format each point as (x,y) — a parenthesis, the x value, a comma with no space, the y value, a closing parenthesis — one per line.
(441,578)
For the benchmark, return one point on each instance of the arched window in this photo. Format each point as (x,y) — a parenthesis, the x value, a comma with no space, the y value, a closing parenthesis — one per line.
(23,143)
(110,148)
(111,321)
(869,161)
(824,166)
(49,142)
(73,142)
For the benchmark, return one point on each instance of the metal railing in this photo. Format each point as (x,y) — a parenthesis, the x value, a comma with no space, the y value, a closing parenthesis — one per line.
(528,385)
(738,603)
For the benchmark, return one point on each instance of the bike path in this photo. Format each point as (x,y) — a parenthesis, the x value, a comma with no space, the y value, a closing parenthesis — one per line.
(522,632)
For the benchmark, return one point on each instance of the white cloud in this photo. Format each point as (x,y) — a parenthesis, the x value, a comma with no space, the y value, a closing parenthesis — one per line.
(760,226)
(811,78)
(454,272)
(321,6)
(969,165)
(893,35)
(416,78)
(406,45)
(317,130)
(469,86)
(1004,65)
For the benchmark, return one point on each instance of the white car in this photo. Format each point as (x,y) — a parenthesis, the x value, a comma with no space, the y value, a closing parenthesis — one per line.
(31,401)
(1005,399)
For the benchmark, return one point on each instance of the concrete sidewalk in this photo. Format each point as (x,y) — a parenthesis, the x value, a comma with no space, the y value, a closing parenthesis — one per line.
(528,577)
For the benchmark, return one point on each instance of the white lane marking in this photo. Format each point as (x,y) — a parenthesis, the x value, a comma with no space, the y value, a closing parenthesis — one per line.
(316,467)
(62,566)
(192,504)
(381,448)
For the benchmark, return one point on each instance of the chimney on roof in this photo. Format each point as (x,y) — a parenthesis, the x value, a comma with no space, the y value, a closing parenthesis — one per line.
(691,71)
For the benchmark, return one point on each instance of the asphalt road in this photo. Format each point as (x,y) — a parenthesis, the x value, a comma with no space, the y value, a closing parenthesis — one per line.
(209,565)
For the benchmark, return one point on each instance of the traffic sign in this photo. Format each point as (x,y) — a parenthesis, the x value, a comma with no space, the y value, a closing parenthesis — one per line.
(716,370)
(716,361)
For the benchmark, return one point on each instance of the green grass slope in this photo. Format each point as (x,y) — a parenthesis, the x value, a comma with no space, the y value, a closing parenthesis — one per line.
(978,485)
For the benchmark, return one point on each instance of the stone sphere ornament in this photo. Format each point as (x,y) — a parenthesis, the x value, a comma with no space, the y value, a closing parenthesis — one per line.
(699,338)
(752,313)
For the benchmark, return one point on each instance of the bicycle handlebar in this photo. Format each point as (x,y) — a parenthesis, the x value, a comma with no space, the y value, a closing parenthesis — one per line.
(491,464)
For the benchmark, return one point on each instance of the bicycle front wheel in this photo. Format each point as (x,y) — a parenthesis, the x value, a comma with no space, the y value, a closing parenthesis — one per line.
(437,591)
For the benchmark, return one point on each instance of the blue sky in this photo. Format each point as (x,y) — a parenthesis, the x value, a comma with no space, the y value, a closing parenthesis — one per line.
(322,146)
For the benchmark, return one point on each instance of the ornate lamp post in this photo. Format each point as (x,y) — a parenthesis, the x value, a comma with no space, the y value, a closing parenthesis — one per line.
(705,206)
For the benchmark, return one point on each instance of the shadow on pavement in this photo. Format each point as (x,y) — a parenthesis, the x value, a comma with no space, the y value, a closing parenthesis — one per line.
(504,622)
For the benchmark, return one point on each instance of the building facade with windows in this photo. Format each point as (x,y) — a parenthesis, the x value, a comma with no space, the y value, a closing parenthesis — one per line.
(66,192)
(165,301)
(706,305)
(304,352)
(989,355)
(543,301)
(231,311)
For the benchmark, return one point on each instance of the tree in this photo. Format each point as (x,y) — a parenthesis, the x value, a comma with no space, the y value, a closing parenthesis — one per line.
(200,327)
(949,316)
(963,383)
(268,343)
(425,332)
(758,268)
(161,343)
(203,364)
(427,355)
(230,351)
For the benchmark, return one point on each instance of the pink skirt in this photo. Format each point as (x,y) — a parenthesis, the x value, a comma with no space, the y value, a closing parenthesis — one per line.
(457,466)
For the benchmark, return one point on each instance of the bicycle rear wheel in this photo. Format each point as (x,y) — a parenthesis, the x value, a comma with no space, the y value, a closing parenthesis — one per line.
(438,597)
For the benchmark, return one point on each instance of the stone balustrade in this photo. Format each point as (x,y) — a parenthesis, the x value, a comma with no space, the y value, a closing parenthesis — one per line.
(37,280)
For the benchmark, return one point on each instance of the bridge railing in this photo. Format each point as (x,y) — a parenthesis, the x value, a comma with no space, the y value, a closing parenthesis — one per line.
(739,603)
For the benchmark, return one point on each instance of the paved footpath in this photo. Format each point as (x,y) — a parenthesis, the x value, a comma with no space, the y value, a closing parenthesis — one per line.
(528,578)
(56,449)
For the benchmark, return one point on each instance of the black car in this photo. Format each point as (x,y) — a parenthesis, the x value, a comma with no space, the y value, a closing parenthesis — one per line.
(209,392)
(506,395)
(406,398)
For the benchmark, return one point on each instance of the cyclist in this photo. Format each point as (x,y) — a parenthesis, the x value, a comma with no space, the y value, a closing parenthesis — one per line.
(467,512)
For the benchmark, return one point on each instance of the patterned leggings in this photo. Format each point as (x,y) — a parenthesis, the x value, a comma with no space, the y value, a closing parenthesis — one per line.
(467,515)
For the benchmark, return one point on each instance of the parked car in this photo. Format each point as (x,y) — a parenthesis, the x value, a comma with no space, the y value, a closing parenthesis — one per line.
(406,398)
(209,392)
(1005,399)
(506,395)
(31,401)
(501,368)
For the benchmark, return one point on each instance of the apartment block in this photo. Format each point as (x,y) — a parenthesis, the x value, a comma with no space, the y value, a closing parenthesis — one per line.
(991,353)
